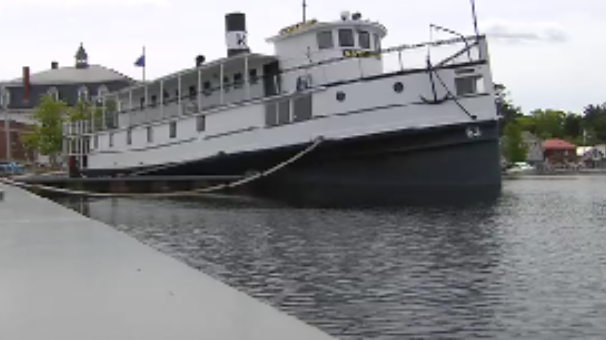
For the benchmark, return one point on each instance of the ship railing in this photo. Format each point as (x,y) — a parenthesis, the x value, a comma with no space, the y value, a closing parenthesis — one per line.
(407,56)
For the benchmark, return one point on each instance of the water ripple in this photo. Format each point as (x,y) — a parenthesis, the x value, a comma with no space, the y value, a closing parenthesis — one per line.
(531,266)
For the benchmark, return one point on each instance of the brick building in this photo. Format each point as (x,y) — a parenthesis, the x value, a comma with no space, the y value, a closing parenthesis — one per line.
(83,81)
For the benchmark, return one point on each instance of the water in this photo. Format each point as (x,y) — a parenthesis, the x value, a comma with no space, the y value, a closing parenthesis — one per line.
(530,266)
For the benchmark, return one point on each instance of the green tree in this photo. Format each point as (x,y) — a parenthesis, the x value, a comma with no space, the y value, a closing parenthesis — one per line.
(594,121)
(514,148)
(46,137)
(573,127)
(549,123)
(508,112)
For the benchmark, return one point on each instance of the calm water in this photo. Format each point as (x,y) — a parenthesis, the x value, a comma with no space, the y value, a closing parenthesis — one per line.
(530,266)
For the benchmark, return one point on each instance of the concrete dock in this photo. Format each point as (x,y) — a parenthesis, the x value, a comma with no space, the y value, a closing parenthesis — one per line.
(64,276)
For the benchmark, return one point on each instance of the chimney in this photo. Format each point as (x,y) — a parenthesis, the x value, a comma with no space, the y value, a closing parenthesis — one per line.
(235,34)
(26,84)
(200,60)
(54,65)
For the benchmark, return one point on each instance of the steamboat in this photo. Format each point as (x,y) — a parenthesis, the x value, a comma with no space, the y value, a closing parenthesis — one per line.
(323,109)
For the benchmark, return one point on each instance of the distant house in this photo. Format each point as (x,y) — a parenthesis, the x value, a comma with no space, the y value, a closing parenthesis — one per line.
(558,151)
(594,157)
(534,147)
(82,81)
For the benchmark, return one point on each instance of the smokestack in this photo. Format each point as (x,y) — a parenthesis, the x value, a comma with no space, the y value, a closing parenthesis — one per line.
(26,84)
(235,34)
(54,65)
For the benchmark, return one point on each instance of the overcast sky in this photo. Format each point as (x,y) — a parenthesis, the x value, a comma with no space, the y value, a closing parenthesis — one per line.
(548,53)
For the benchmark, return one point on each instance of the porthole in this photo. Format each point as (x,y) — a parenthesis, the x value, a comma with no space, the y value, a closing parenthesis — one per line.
(341,96)
(398,87)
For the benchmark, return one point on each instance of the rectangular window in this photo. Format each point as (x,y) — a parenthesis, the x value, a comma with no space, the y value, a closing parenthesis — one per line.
(302,107)
(238,80)
(226,84)
(166,98)
(346,38)
(111,140)
(364,39)
(201,123)
(207,88)
(252,74)
(284,112)
(154,100)
(177,94)
(192,92)
(325,40)
(469,85)
(129,136)
(150,134)
(142,103)
(377,42)
(173,130)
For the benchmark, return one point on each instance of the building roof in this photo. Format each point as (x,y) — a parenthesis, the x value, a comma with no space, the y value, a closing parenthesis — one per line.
(71,75)
(558,144)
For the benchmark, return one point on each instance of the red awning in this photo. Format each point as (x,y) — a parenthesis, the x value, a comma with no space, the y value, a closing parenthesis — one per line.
(558,144)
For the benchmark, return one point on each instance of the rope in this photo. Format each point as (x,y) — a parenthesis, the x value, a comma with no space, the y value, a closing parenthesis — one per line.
(206,190)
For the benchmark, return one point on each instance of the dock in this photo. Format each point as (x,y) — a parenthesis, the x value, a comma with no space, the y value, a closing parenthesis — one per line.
(65,276)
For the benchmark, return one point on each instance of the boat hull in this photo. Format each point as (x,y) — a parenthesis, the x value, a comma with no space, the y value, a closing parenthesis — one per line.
(449,164)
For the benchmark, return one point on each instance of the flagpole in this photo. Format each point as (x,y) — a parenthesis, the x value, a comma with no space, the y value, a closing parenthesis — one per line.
(144,64)
(475,18)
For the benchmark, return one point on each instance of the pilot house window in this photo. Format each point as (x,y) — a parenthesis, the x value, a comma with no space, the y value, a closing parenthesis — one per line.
(325,40)
(346,38)
(364,39)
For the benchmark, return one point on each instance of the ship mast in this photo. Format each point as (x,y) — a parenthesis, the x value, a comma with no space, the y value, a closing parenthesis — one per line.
(304,10)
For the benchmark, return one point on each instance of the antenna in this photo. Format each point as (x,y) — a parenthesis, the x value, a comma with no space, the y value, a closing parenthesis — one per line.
(475,18)
(304,11)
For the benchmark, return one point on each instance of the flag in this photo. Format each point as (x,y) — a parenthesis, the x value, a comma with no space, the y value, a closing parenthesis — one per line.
(141,61)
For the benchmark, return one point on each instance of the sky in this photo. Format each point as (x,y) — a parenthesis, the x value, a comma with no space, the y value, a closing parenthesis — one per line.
(547,53)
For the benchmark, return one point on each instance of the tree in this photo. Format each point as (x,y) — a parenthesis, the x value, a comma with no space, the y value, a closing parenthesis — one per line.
(46,136)
(595,123)
(573,127)
(549,123)
(514,148)
(505,108)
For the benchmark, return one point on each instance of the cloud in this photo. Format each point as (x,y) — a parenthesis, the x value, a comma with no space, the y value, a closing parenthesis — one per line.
(81,3)
(520,32)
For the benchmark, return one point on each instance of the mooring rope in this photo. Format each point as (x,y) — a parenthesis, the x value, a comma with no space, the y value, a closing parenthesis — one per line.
(206,190)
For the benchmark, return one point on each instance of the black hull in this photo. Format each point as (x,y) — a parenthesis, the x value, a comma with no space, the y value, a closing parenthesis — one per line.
(433,165)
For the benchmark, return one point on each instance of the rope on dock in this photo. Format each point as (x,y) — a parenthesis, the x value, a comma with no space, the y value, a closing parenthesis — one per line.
(206,190)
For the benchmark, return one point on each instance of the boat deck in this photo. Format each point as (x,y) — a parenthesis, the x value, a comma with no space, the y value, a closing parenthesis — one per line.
(64,276)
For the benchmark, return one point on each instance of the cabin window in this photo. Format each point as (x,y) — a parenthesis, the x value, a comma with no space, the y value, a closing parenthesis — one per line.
(238,80)
(284,112)
(325,40)
(364,39)
(252,74)
(346,38)
(377,42)
(129,136)
(166,97)
(302,107)
(192,92)
(201,123)
(150,134)
(142,103)
(177,94)
(154,100)
(111,140)
(226,84)
(173,129)
(469,85)
(207,88)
